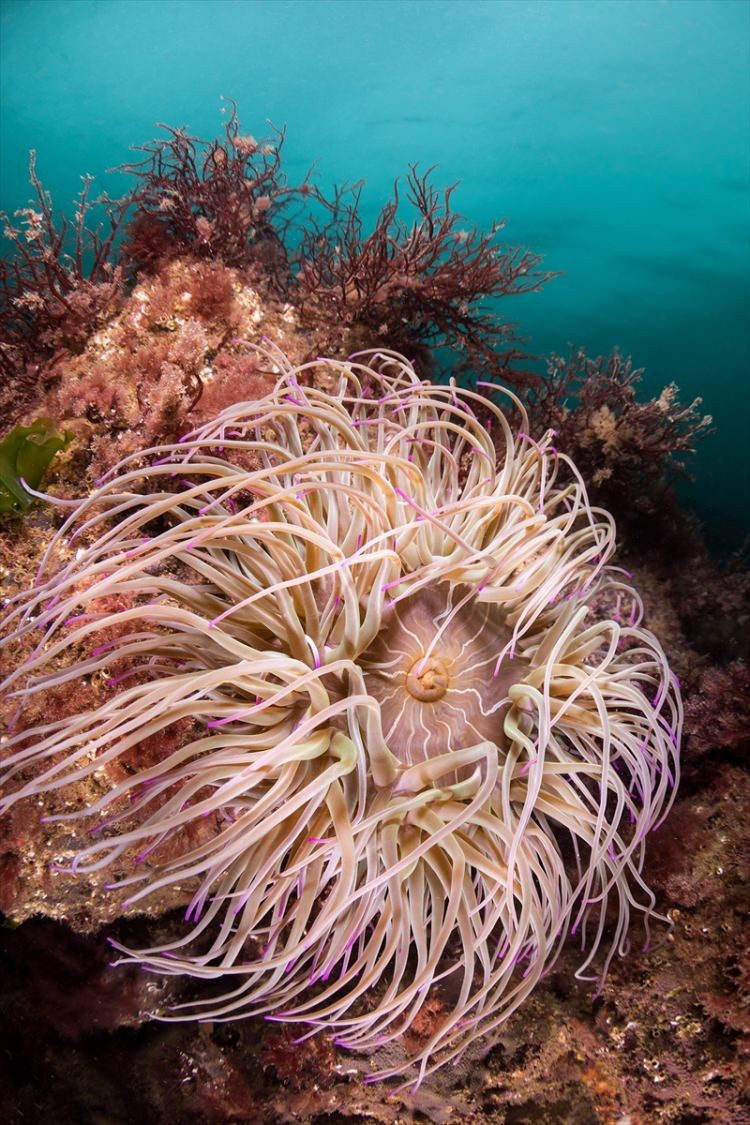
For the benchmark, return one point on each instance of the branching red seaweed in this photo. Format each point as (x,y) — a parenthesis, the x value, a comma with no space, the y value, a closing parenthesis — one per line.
(421,282)
(217,199)
(60,280)
(625,447)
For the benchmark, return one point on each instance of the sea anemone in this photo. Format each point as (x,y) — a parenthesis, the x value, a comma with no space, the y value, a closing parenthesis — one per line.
(428,734)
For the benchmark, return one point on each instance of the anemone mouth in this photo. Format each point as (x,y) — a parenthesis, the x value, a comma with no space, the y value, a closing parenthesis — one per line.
(427,679)
(440,669)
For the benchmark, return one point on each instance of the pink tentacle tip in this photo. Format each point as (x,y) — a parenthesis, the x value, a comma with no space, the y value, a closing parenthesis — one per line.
(215,724)
(75,617)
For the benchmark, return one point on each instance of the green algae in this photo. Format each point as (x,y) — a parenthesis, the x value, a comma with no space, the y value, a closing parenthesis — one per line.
(25,455)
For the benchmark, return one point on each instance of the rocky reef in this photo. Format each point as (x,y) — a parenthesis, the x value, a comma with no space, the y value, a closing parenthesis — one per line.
(135,323)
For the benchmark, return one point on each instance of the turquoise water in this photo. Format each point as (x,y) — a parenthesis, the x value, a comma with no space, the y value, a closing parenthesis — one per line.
(613,134)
